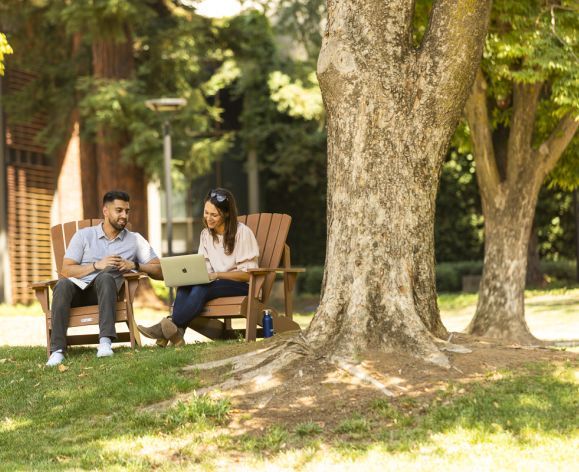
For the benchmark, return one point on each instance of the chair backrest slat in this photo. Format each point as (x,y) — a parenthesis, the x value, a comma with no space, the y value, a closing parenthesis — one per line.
(57,237)
(252,221)
(261,234)
(266,258)
(279,244)
(69,229)
(84,224)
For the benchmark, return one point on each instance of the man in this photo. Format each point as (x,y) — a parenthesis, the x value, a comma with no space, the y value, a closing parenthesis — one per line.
(94,264)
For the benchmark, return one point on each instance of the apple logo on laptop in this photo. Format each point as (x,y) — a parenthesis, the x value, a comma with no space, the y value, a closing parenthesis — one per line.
(184,270)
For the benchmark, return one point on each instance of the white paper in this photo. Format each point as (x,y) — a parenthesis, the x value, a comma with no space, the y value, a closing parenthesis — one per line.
(79,283)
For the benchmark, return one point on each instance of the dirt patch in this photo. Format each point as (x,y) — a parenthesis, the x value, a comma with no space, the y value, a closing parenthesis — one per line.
(314,390)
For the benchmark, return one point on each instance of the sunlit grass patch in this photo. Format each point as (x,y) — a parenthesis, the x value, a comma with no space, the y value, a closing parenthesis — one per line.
(13,424)
(199,409)
(308,429)
(353,426)
(456,301)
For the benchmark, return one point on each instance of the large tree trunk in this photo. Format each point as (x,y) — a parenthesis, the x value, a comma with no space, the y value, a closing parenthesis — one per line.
(509,195)
(114,60)
(391,112)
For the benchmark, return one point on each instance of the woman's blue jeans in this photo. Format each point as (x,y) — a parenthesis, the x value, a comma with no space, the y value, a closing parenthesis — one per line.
(191,299)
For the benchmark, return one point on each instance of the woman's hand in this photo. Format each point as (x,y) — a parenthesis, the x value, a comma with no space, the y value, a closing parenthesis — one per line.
(214,276)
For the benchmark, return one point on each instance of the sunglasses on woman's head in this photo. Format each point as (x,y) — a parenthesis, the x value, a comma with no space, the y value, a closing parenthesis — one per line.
(218,196)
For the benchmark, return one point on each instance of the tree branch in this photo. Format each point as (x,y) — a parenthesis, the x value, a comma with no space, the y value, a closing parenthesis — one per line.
(369,23)
(480,128)
(525,102)
(452,49)
(552,148)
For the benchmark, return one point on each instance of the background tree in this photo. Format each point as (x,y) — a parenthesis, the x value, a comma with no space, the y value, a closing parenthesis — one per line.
(522,115)
(95,64)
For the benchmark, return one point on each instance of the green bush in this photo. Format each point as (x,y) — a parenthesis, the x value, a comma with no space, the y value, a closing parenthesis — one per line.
(311,280)
(160,289)
(447,278)
(560,271)
(449,274)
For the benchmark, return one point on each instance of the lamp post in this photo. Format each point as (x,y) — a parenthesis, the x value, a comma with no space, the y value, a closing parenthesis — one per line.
(164,105)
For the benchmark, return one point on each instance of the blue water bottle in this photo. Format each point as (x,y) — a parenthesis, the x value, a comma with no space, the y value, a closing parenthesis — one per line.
(267,324)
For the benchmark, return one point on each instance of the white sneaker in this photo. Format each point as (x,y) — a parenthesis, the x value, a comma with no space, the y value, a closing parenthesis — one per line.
(104,350)
(55,358)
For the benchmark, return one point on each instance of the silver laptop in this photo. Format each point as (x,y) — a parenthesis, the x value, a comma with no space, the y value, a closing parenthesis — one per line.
(184,270)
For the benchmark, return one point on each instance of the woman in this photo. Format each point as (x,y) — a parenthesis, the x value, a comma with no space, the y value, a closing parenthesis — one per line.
(230,249)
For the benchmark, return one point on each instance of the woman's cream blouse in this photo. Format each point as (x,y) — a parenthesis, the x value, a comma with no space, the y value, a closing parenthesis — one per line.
(244,256)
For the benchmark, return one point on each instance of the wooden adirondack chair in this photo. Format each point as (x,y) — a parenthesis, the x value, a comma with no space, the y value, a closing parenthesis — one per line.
(87,315)
(274,257)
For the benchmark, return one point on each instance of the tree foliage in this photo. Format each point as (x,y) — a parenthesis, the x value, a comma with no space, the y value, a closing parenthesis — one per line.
(530,42)
(5,49)
(176,53)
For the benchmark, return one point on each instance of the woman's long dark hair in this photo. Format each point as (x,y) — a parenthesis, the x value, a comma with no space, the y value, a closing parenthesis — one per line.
(225,203)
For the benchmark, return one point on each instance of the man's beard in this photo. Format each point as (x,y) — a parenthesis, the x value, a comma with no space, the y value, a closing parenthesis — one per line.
(118,226)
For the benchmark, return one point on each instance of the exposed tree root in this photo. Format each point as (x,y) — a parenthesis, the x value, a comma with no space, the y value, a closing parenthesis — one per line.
(263,370)
(362,374)
(450,347)
(256,371)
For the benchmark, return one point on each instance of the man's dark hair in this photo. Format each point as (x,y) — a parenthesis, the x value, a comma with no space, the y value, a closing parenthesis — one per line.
(115,195)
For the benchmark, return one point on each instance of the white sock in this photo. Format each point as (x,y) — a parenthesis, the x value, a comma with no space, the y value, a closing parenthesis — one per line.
(105,340)
(55,358)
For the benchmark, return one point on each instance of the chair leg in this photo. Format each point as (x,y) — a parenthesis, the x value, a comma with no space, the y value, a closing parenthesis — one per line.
(289,282)
(47,340)
(251,328)
(134,335)
(252,306)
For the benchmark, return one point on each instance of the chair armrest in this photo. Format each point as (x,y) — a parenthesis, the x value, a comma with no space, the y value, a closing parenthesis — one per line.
(134,275)
(43,284)
(281,270)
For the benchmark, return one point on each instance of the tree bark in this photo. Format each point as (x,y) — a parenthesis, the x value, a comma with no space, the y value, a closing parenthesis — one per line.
(391,112)
(501,304)
(113,59)
(509,199)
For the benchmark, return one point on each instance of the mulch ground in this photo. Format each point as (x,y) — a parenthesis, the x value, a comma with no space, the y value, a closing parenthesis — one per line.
(319,392)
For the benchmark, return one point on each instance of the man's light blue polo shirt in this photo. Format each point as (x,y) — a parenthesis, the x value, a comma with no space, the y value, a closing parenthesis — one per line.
(90,245)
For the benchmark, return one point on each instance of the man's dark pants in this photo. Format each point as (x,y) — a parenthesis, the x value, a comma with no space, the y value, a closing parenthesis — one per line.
(102,291)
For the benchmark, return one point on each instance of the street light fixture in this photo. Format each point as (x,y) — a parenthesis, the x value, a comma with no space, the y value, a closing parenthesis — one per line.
(164,105)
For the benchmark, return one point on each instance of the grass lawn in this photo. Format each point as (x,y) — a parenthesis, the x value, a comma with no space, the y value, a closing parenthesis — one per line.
(91,416)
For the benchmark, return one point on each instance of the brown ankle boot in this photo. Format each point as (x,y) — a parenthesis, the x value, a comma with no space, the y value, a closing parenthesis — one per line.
(177,339)
(168,327)
(153,332)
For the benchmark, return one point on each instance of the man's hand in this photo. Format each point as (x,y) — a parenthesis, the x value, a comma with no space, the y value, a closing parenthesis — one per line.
(109,261)
(213,276)
(126,266)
